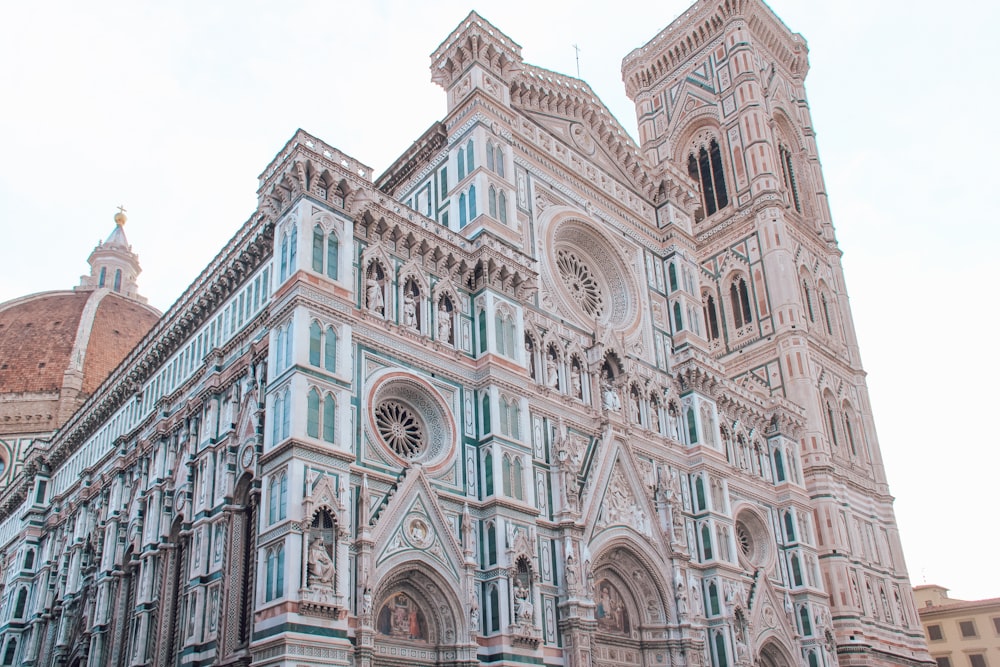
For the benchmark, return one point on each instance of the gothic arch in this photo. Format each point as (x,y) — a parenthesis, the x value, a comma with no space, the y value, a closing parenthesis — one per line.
(774,654)
(628,568)
(433,607)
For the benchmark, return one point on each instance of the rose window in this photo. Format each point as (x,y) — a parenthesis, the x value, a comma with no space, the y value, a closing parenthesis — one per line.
(754,540)
(745,539)
(400,428)
(580,282)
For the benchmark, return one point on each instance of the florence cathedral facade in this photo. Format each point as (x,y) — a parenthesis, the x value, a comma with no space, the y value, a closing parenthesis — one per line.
(539,394)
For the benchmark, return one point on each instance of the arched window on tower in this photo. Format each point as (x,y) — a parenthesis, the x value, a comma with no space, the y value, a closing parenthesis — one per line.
(493,201)
(118,280)
(470,160)
(502,207)
(807,297)
(739,297)
(705,168)
(461,163)
(104,276)
(711,316)
(831,422)
(325,249)
(489,156)
(788,172)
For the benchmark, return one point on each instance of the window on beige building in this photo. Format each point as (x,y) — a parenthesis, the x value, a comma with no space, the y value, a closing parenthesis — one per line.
(943,661)
(996,624)
(977,660)
(968,629)
(934,633)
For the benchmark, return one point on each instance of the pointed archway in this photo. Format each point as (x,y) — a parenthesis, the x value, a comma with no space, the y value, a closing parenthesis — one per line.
(417,620)
(631,607)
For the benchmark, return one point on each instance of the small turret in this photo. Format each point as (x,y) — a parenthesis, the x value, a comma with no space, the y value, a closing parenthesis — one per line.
(113,265)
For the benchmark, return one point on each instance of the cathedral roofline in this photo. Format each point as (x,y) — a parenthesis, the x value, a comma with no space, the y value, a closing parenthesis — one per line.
(699,27)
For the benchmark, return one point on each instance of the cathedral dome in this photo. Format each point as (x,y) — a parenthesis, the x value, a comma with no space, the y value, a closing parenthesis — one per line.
(45,336)
(57,347)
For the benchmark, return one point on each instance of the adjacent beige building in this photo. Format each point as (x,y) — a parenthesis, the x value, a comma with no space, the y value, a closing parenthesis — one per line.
(960,633)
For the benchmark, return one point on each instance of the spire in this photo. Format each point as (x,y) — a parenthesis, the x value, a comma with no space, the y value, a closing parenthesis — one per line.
(113,265)
(476,56)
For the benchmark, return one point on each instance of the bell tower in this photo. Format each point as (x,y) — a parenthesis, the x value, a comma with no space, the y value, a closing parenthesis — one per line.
(720,95)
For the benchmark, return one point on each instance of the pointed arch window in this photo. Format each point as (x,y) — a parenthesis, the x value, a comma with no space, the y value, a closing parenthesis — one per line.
(118,280)
(488,468)
(277,492)
(705,167)
(489,156)
(678,320)
(312,414)
(325,252)
(826,314)
(739,296)
(275,584)
(493,201)
(461,163)
(491,543)
(463,216)
(321,410)
(103,277)
(472,203)
(807,294)
(518,479)
(470,160)
(796,571)
(499,159)
(832,424)
(21,604)
(502,206)
(10,652)
(711,316)
(788,171)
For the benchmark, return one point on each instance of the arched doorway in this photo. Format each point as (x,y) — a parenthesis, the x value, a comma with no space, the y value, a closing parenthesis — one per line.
(630,608)
(416,620)
(773,655)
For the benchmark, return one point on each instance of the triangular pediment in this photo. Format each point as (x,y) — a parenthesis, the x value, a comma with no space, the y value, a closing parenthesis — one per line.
(570,111)
(768,615)
(414,524)
(621,499)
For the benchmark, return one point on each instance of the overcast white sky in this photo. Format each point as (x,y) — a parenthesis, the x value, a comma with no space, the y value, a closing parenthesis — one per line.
(174,109)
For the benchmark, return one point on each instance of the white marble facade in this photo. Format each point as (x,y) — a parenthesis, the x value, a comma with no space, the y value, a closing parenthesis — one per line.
(538,394)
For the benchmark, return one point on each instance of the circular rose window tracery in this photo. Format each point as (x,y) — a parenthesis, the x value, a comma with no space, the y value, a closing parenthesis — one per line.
(580,282)
(589,276)
(754,540)
(409,422)
(400,428)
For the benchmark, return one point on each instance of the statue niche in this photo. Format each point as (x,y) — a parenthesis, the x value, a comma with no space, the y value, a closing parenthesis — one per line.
(322,534)
(322,554)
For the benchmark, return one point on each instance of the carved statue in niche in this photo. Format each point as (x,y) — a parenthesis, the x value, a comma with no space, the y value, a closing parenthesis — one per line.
(474,612)
(321,568)
(529,354)
(609,395)
(576,380)
(410,311)
(322,553)
(524,609)
(373,289)
(672,422)
(444,321)
(611,614)
(551,370)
